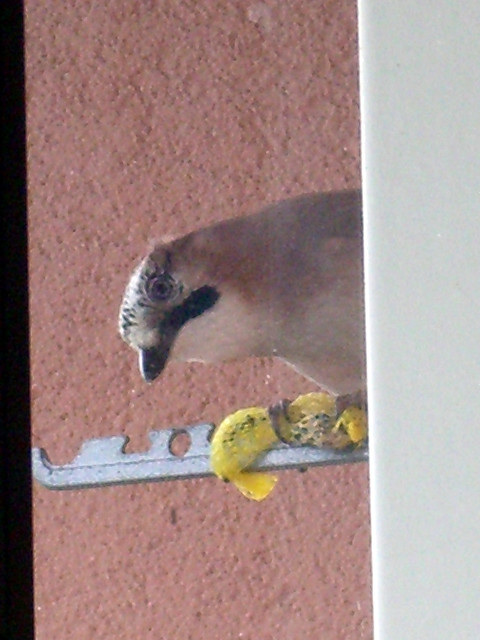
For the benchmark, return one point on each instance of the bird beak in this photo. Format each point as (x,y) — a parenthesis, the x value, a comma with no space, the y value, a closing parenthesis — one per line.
(152,362)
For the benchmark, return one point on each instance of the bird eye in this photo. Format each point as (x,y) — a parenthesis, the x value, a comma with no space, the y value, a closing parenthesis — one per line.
(160,287)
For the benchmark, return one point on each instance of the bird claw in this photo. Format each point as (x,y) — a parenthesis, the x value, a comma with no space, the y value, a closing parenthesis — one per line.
(317,420)
(279,418)
(356,399)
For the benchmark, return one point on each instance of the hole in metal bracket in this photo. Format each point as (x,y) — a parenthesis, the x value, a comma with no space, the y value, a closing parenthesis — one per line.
(179,443)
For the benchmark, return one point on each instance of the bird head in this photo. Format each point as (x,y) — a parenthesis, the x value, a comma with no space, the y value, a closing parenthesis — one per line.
(157,303)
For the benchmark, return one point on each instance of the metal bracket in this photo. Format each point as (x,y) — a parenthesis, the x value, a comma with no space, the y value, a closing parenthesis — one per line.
(103,461)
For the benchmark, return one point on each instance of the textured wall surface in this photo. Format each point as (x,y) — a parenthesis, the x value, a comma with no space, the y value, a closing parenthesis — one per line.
(154,117)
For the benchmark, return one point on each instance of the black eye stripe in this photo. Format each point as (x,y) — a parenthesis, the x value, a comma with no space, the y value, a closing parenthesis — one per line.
(197,303)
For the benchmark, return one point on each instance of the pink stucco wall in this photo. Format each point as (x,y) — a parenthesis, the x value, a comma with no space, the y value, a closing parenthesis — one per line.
(154,117)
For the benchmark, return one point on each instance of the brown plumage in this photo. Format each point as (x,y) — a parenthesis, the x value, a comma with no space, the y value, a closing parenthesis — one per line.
(284,282)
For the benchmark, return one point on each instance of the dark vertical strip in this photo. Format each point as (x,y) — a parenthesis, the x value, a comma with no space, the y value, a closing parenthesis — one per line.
(16,614)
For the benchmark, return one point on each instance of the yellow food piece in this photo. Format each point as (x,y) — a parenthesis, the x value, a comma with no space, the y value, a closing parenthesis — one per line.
(237,442)
(312,420)
(254,484)
(350,428)
(245,435)
(311,404)
(308,419)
